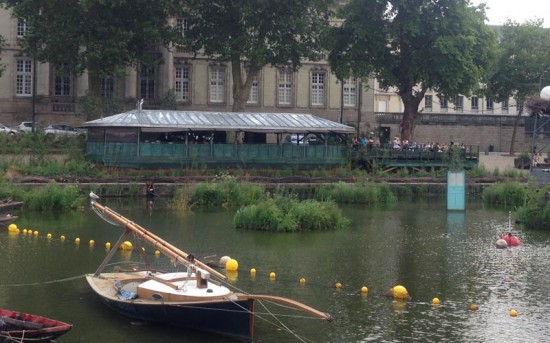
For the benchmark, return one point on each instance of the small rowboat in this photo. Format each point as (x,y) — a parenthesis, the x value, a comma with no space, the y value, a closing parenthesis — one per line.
(8,204)
(198,298)
(18,327)
(7,219)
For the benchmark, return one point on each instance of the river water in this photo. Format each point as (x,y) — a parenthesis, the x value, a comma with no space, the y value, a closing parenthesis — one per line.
(432,252)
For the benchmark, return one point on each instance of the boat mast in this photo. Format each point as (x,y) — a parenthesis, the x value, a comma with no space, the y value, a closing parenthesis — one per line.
(168,249)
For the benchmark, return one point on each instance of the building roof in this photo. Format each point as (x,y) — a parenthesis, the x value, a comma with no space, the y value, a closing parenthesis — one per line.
(165,121)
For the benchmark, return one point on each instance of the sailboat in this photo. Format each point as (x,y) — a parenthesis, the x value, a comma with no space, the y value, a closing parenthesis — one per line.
(198,298)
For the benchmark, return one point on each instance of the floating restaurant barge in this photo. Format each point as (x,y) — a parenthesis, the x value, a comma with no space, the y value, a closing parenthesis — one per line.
(191,139)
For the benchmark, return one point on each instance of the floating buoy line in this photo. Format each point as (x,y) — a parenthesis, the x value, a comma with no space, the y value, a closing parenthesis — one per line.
(398,292)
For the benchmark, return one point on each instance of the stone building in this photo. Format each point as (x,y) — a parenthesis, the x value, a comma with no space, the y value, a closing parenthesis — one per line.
(28,87)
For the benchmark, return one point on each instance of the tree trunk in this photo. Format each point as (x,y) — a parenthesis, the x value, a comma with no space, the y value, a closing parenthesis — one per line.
(94,94)
(241,88)
(411,99)
(516,123)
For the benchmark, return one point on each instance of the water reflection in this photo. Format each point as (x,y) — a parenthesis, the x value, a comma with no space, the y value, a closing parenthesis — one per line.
(433,252)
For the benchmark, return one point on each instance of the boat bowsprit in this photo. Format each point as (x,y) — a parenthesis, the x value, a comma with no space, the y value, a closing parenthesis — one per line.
(197,298)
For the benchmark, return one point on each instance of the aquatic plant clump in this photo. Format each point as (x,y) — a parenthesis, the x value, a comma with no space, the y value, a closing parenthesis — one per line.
(535,213)
(511,194)
(226,193)
(53,196)
(283,214)
(356,193)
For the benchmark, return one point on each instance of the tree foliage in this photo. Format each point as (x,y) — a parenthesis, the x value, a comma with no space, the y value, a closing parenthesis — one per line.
(254,33)
(413,46)
(100,36)
(523,61)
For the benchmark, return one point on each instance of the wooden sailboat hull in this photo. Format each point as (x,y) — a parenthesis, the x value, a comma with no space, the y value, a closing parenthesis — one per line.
(219,315)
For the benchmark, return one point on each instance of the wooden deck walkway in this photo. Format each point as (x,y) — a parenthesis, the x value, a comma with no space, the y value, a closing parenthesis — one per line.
(389,159)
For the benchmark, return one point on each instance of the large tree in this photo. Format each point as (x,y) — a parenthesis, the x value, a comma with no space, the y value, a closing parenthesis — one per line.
(99,36)
(251,34)
(413,46)
(523,63)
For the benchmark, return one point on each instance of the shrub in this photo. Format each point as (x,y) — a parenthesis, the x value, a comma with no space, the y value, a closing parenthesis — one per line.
(286,214)
(511,194)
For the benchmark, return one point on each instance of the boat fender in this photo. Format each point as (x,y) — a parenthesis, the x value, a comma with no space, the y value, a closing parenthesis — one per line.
(2,324)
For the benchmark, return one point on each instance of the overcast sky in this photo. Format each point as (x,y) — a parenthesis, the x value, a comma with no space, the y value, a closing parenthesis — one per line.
(520,11)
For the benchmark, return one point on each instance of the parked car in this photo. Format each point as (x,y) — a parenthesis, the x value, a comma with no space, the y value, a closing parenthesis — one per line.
(63,130)
(7,130)
(296,139)
(25,126)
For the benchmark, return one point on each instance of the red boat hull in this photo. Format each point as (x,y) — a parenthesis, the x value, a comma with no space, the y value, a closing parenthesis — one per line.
(26,328)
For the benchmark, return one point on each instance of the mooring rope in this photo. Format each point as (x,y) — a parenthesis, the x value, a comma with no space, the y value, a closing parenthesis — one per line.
(45,282)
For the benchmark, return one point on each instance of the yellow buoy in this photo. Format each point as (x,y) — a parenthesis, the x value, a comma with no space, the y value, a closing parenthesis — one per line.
(49,236)
(232,265)
(513,313)
(24,231)
(157,253)
(91,242)
(13,228)
(77,240)
(127,245)
(435,301)
(364,289)
(302,281)
(400,292)
(108,245)
(338,285)
(35,233)
(62,238)
(253,272)
(272,275)
(473,307)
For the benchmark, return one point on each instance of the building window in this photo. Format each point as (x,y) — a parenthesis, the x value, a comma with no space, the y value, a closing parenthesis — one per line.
(444,103)
(217,85)
(62,80)
(21,28)
(428,102)
(459,103)
(108,88)
(350,92)
(474,103)
(490,104)
(505,106)
(284,88)
(254,96)
(24,77)
(182,25)
(182,83)
(147,82)
(318,88)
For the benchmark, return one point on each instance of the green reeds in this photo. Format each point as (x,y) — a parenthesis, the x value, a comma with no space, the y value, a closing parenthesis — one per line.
(226,193)
(286,214)
(364,193)
(53,196)
(512,194)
